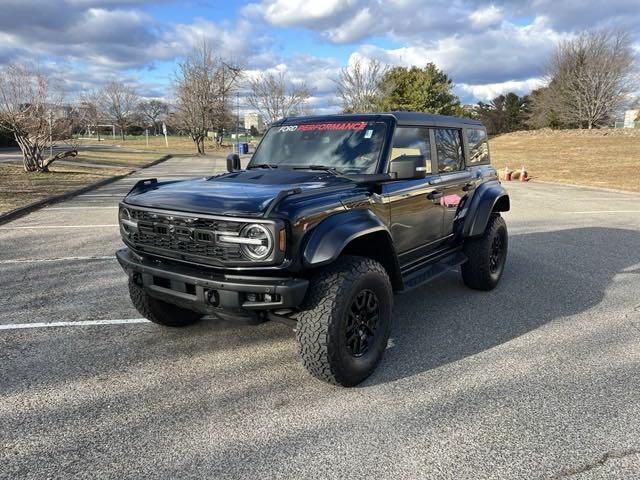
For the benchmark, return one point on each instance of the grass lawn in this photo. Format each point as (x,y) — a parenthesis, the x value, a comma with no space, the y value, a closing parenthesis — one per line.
(177,144)
(124,159)
(18,188)
(611,161)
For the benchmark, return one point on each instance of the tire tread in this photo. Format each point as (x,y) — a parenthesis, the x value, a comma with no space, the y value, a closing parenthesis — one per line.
(327,293)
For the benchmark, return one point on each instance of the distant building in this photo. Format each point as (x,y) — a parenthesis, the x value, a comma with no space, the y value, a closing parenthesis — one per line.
(631,117)
(253,119)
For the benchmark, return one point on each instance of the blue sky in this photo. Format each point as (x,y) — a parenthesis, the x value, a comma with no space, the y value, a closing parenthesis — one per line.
(487,48)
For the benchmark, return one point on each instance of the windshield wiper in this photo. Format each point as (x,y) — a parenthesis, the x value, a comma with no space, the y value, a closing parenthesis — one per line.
(270,166)
(331,170)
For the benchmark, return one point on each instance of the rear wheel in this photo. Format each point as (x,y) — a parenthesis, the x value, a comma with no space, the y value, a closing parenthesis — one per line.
(487,255)
(344,328)
(158,311)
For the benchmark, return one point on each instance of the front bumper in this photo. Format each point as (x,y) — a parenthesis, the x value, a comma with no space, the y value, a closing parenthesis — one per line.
(207,292)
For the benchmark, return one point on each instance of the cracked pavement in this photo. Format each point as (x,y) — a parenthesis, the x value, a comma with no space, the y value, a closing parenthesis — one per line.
(536,379)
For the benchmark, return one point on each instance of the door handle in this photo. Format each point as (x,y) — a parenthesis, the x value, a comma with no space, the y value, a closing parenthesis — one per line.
(468,186)
(435,195)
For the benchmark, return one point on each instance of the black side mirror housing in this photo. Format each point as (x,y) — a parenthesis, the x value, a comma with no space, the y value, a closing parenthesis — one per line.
(408,167)
(233,162)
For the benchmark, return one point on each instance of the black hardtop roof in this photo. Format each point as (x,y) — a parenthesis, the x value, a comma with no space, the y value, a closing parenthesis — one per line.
(402,118)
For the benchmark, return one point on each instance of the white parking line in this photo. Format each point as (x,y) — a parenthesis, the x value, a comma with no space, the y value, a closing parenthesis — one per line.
(605,211)
(80,323)
(57,259)
(101,195)
(79,208)
(57,226)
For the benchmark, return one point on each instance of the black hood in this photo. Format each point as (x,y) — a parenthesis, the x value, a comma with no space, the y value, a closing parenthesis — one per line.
(246,192)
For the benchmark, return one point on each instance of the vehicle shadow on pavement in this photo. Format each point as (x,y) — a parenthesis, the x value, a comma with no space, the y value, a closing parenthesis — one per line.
(549,275)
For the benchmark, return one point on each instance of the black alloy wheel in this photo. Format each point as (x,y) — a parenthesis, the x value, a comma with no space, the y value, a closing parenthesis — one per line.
(361,322)
(496,254)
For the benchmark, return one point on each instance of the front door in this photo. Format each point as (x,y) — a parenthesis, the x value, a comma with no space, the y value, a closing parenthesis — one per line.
(415,209)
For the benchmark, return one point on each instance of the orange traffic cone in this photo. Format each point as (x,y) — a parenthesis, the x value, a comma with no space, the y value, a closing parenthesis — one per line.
(523,175)
(507,174)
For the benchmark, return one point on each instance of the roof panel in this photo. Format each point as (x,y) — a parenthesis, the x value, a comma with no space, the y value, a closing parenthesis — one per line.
(402,118)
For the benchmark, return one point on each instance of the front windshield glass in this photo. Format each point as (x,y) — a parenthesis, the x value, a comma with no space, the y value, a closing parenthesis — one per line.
(348,147)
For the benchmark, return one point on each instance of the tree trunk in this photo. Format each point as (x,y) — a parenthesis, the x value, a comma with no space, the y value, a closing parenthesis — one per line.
(32,159)
(122,133)
(199,141)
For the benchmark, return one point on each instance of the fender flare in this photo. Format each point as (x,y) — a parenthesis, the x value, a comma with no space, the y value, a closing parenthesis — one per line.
(329,238)
(488,197)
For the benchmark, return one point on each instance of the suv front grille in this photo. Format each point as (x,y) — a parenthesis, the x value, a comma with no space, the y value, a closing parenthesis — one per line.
(182,236)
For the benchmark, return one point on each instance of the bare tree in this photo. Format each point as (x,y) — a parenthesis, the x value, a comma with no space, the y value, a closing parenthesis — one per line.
(33,112)
(203,86)
(275,98)
(359,86)
(119,103)
(89,111)
(591,76)
(153,111)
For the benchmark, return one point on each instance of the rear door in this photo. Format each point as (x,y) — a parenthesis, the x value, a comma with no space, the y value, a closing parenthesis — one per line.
(455,179)
(416,215)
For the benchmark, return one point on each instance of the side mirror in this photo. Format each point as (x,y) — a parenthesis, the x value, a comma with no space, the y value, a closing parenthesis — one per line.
(233,162)
(408,167)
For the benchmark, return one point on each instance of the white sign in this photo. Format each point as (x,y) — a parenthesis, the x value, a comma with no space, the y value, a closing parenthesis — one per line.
(630,117)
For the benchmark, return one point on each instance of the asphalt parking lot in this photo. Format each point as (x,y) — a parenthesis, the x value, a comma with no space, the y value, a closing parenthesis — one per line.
(539,378)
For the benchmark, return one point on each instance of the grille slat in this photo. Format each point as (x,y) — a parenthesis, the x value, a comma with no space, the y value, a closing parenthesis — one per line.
(185,234)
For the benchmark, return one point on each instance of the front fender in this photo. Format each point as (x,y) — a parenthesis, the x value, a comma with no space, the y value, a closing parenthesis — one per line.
(488,197)
(327,240)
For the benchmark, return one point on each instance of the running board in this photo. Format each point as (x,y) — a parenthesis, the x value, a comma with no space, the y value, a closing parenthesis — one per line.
(432,270)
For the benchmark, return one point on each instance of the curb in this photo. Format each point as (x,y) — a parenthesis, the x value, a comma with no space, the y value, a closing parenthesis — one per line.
(31,207)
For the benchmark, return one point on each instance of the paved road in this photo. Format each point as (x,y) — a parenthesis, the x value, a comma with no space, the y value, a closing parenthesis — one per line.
(539,378)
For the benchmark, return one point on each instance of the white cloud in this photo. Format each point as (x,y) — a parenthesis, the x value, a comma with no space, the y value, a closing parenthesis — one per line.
(486,16)
(489,91)
(507,52)
(303,12)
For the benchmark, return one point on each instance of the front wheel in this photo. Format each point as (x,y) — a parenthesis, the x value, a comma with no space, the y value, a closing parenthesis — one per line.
(343,330)
(487,255)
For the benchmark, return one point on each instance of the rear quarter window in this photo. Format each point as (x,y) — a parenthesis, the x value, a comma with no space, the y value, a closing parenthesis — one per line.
(449,149)
(478,146)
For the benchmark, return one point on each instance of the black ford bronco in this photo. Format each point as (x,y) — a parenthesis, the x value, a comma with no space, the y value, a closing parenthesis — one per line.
(332,215)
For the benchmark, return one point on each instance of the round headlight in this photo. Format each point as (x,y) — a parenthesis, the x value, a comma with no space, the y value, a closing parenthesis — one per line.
(125,216)
(262,242)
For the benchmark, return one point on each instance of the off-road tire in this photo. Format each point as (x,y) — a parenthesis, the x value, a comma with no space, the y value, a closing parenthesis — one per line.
(321,329)
(160,312)
(477,272)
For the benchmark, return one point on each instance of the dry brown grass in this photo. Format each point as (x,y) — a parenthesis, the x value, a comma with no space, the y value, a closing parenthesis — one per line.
(594,160)
(124,159)
(177,144)
(18,188)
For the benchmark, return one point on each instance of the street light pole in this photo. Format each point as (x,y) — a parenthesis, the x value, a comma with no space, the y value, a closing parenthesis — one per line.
(238,122)
(50,134)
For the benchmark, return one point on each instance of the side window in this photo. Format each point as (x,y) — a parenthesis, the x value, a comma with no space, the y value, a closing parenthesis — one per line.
(449,148)
(478,146)
(412,141)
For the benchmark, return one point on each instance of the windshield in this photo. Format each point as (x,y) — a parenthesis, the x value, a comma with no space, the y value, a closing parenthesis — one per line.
(348,147)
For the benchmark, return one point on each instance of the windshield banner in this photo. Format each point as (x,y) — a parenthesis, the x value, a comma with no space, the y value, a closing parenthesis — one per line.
(307,127)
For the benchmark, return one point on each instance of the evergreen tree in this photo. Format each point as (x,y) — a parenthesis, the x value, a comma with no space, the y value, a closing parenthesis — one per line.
(416,89)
